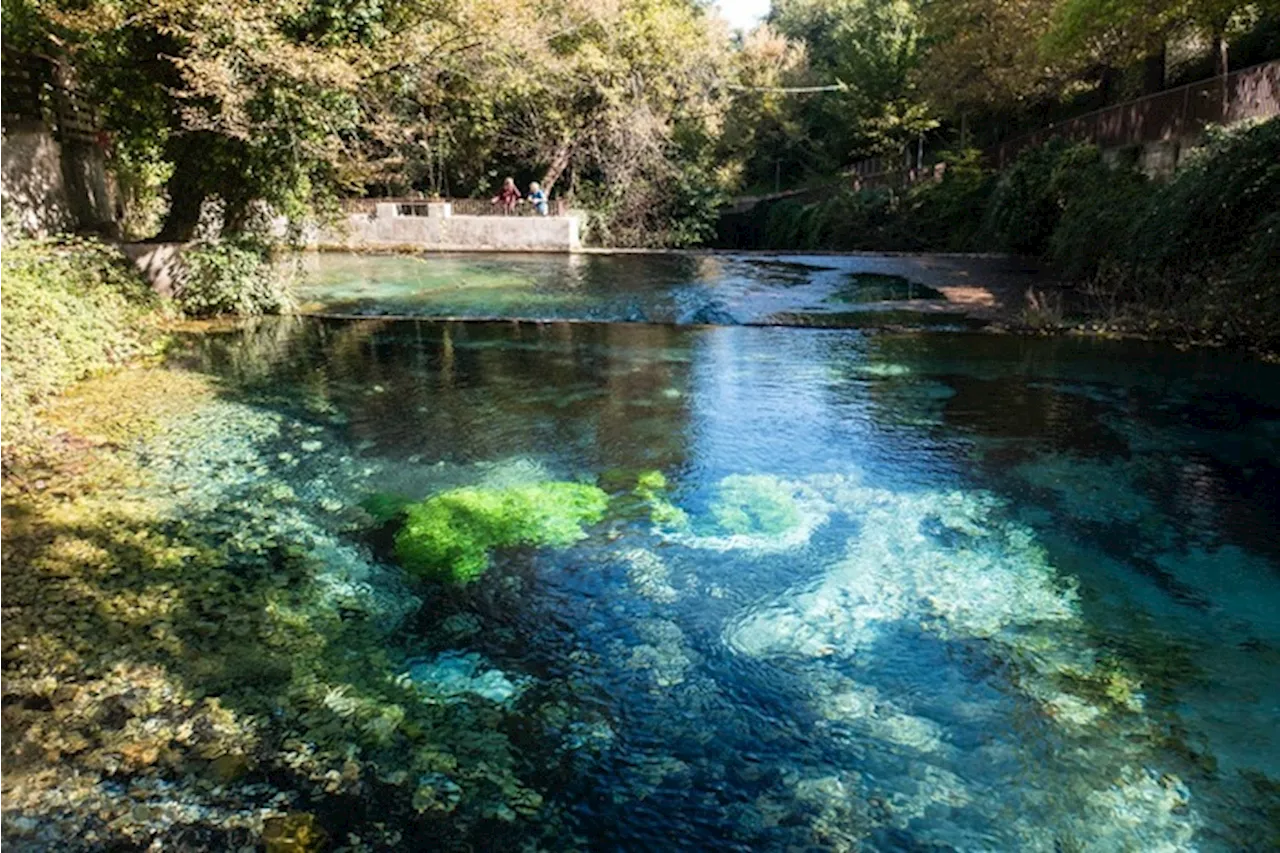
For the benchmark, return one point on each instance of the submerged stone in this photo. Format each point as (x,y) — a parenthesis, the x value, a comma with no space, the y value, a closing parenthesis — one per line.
(756,512)
(297,832)
(454,675)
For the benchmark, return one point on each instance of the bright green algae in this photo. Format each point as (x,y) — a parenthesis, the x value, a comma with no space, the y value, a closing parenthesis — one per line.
(450,536)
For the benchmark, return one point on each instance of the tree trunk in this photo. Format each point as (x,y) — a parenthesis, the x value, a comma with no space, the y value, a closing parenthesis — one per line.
(1108,82)
(1220,70)
(186,190)
(559,162)
(1153,67)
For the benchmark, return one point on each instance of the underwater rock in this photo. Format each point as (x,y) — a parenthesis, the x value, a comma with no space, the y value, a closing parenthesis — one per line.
(664,654)
(461,625)
(650,576)
(205,613)
(296,832)
(759,513)
(954,565)
(450,535)
(838,816)
(452,676)
(991,578)
(436,792)
(1090,489)
(1139,804)
(867,711)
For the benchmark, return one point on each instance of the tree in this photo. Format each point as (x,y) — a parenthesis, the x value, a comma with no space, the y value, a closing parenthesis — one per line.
(985,55)
(763,134)
(872,47)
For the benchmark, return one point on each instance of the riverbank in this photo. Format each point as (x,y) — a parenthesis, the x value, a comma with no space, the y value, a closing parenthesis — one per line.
(1187,259)
(72,308)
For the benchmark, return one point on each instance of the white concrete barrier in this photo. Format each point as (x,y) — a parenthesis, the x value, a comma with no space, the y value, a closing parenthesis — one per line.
(440,230)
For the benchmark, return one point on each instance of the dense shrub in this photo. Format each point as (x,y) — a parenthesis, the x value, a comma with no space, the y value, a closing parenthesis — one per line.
(1030,197)
(929,216)
(232,277)
(1204,247)
(947,214)
(1213,207)
(71,307)
(1101,203)
(678,209)
(1195,253)
(849,219)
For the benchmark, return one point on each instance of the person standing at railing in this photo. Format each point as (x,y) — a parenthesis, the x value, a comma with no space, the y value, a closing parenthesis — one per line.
(538,198)
(508,197)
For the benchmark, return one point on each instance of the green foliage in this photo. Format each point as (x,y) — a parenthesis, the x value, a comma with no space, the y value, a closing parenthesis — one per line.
(942,215)
(449,536)
(1031,195)
(1101,207)
(753,504)
(947,214)
(71,307)
(1205,244)
(873,48)
(231,277)
(849,219)
(1216,206)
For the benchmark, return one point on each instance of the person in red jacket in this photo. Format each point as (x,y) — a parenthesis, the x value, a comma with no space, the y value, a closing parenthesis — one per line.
(509,196)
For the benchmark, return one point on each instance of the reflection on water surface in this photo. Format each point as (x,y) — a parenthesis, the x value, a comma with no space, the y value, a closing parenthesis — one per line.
(895,592)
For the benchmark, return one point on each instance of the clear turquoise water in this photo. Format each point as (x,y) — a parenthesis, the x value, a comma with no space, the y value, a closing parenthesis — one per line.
(1027,597)
(686,289)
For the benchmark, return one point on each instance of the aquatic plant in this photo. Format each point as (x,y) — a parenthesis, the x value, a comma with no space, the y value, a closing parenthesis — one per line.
(183,616)
(651,487)
(384,507)
(449,536)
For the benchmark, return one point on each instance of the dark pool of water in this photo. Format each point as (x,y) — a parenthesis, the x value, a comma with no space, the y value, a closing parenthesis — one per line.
(686,289)
(1027,598)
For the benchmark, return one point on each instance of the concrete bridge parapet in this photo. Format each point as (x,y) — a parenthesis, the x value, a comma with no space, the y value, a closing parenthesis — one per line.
(432,226)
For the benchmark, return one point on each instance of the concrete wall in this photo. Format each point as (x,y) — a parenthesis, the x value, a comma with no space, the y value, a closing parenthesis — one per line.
(52,186)
(31,181)
(385,228)
(159,263)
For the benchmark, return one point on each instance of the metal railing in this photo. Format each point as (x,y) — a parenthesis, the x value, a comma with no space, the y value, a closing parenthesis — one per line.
(1177,113)
(887,172)
(406,206)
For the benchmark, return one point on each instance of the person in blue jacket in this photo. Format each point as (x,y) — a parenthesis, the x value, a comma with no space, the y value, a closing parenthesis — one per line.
(538,198)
